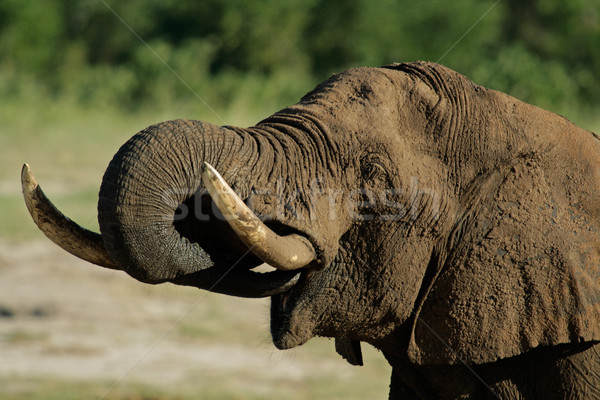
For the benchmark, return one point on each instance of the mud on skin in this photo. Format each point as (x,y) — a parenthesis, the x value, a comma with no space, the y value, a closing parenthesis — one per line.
(453,227)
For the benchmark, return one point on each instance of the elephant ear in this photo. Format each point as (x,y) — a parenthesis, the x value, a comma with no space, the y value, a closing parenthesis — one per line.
(485,310)
(522,272)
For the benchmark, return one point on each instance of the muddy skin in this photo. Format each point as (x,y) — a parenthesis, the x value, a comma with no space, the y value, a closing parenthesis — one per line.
(455,228)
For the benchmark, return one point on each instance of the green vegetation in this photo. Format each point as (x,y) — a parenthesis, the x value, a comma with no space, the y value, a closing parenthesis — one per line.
(109,52)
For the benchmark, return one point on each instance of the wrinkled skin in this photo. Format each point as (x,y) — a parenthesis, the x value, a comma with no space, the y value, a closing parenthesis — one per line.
(472,261)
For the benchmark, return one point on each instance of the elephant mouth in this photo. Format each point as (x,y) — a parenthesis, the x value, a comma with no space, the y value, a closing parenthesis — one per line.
(229,258)
(285,308)
(199,221)
(282,306)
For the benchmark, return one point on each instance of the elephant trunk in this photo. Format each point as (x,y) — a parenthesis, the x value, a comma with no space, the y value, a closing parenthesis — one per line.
(149,204)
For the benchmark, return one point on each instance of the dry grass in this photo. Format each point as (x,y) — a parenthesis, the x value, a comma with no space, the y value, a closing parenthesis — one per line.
(71,330)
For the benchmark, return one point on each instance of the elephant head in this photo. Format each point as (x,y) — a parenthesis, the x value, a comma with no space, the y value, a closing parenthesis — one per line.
(395,203)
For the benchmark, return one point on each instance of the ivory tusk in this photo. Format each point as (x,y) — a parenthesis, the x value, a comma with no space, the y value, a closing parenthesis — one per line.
(70,236)
(287,253)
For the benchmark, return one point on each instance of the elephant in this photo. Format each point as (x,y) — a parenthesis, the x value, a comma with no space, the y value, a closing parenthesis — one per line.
(453,227)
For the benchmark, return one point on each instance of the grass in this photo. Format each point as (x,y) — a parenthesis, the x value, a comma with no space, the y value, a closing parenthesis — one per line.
(22,336)
(16,388)
(342,382)
(323,387)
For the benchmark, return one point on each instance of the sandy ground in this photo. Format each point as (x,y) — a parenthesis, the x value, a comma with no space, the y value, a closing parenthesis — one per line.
(66,319)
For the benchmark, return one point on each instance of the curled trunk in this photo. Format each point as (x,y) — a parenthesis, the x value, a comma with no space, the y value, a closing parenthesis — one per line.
(149,205)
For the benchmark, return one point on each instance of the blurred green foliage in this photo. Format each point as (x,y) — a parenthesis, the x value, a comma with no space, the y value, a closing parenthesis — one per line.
(143,52)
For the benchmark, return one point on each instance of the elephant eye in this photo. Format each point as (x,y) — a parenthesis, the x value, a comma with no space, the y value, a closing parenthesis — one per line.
(375,171)
(373,168)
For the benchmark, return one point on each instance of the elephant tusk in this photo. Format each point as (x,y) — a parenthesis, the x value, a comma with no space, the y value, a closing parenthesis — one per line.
(286,253)
(73,238)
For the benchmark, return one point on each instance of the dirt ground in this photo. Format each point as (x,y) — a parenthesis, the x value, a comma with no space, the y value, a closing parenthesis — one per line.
(64,319)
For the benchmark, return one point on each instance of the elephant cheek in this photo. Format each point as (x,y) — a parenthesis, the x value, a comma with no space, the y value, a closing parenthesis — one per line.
(311,308)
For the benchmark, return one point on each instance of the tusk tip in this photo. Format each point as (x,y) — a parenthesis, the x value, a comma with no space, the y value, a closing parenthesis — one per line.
(28,181)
